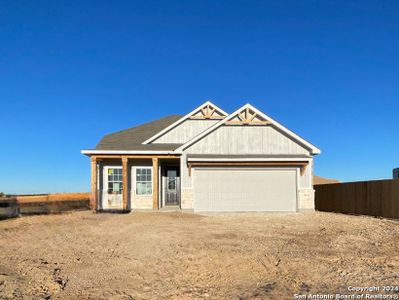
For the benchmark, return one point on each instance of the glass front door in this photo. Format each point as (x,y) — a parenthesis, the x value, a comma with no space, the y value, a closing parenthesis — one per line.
(172,188)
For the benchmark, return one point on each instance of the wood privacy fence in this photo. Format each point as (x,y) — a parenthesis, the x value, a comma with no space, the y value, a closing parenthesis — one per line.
(42,204)
(378,198)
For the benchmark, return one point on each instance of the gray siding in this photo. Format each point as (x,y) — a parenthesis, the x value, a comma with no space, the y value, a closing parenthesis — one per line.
(186,180)
(246,140)
(184,131)
(305,181)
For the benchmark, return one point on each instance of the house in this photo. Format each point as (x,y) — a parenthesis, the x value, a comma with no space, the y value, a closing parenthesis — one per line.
(323,180)
(205,161)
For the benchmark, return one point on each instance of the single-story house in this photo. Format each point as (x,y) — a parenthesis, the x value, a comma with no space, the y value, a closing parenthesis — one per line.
(205,161)
(317,180)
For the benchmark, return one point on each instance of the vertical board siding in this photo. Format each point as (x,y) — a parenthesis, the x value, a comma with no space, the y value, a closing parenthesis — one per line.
(373,198)
(256,140)
(247,139)
(260,140)
(305,181)
(185,131)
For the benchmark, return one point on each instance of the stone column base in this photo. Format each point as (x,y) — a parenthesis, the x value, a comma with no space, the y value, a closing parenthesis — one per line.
(306,200)
(187,198)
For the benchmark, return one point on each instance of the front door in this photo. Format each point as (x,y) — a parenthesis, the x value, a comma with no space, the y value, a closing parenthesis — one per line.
(172,186)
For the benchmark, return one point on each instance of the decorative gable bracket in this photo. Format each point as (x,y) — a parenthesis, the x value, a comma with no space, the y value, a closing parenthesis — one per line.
(248,117)
(208,111)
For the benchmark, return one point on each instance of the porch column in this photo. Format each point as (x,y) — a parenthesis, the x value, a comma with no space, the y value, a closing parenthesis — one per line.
(125,182)
(155,183)
(93,197)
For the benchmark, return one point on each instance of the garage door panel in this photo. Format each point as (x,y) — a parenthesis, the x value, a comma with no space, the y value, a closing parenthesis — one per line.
(245,189)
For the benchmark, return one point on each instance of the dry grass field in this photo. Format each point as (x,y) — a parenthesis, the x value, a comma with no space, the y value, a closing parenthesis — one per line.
(53,197)
(82,255)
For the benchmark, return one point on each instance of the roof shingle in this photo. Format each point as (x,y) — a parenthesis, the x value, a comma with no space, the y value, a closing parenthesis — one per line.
(132,138)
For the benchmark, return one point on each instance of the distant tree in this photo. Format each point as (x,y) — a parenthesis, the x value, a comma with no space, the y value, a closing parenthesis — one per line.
(2,194)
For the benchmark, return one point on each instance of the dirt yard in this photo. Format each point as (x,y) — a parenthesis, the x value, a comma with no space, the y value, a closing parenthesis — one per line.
(82,255)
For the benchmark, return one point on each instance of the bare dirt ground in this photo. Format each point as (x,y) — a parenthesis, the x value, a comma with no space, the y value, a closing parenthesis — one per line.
(82,255)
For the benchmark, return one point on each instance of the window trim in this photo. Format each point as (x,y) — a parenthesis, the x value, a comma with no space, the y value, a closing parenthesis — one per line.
(135,181)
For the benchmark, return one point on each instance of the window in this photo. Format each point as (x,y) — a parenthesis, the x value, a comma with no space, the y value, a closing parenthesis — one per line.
(115,185)
(144,181)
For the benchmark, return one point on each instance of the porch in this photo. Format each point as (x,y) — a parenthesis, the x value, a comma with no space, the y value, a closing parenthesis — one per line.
(135,182)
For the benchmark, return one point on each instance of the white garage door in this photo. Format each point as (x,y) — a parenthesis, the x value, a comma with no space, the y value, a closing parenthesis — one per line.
(245,189)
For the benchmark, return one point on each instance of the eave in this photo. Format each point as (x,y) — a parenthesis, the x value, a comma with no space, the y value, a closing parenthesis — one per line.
(91,152)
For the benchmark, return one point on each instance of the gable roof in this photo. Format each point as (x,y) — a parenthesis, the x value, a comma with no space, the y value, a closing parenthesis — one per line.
(132,138)
(135,139)
(244,119)
(193,114)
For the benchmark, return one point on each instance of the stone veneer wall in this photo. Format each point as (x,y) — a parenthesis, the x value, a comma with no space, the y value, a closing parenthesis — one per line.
(140,202)
(187,198)
(306,199)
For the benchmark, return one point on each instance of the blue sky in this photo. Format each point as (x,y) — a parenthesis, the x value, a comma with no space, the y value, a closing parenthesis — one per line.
(72,71)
